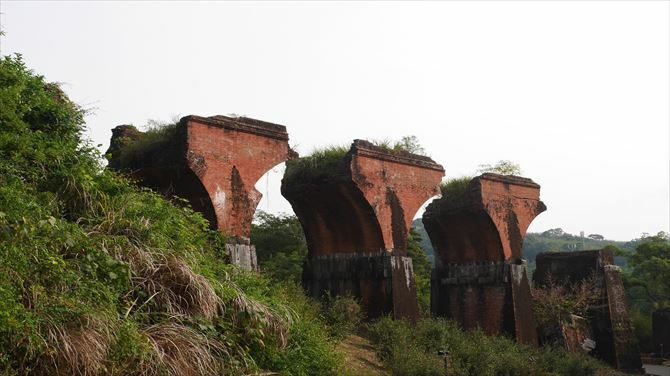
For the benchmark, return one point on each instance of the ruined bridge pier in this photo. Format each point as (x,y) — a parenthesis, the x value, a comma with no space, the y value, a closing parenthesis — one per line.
(480,278)
(214,163)
(356,216)
(610,321)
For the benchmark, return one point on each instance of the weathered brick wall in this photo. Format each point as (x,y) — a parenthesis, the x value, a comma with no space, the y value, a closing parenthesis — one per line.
(611,324)
(214,163)
(229,155)
(356,225)
(480,278)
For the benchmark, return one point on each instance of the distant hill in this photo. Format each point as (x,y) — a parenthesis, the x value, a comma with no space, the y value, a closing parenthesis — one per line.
(549,241)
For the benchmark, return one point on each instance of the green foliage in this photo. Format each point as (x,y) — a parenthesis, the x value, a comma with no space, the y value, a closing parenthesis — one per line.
(420,230)
(280,245)
(421,265)
(343,315)
(100,277)
(320,165)
(411,350)
(643,329)
(149,146)
(650,269)
(502,167)
(455,188)
(408,144)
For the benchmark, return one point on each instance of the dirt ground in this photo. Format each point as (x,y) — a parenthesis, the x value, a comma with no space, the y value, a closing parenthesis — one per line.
(360,357)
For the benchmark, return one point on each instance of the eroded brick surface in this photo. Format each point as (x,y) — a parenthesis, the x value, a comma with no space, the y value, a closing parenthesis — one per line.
(612,328)
(477,238)
(356,224)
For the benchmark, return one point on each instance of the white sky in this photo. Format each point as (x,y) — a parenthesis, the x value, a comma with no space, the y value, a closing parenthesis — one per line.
(577,93)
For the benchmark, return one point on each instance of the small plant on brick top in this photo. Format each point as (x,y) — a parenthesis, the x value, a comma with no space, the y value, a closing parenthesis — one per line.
(156,144)
(316,166)
(406,144)
(455,188)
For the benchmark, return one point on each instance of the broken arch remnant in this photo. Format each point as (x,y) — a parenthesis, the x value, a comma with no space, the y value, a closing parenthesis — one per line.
(480,278)
(213,162)
(356,212)
(610,321)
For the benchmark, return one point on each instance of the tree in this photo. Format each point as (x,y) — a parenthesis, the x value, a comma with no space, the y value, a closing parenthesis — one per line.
(650,269)
(503,167)
(421,266)
(280,245)
(554,232)
(596,237)
(410,144)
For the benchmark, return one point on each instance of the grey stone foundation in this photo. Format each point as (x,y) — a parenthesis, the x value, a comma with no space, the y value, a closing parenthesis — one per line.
(384,283)
(243,255)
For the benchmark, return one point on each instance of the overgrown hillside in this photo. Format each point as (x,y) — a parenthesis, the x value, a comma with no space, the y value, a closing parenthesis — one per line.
(100,277)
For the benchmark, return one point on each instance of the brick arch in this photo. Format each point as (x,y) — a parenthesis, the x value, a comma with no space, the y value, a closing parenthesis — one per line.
(188,186)
(480,278)
(337,220)
(214,162)
(229,155)
(356,221)
(464,237)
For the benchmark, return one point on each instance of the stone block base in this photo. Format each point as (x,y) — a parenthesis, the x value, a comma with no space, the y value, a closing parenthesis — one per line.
(243,255)
(384,283)
(494,296)
(660,323)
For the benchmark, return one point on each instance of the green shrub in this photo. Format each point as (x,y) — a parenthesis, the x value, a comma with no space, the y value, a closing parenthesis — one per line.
(422,270)
(343,315)
(406,144)
(280,245)
(414,350)
(643,329)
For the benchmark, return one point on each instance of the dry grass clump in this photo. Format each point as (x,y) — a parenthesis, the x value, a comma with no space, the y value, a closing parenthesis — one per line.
(263,316)
(78,350)
(556,301)
(170,285)
(181,351)
(179,290)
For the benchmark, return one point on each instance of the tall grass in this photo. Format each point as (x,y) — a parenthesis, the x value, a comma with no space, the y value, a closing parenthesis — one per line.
(415,350)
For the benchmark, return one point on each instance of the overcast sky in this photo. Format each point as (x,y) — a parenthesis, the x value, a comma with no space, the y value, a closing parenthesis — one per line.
(577,93)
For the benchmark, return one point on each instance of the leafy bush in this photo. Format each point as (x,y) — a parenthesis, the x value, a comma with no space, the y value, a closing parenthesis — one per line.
(411,350)
(407,144)
(343,315)
(280,245)
(422,270)
(98,276)
(503,167)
